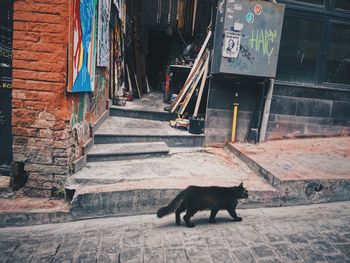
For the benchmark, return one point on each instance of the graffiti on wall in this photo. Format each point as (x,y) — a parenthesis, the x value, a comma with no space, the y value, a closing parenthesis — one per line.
(262,40)
(104,13)
(84,45)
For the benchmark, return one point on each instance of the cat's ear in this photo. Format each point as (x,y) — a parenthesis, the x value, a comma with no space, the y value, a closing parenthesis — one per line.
(241,185)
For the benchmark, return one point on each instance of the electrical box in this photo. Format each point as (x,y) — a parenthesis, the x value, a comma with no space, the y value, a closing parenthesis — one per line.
(247,37)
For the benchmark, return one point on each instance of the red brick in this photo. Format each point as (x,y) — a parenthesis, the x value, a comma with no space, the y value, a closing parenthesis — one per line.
(39,66)
(39,56)
(26,132)
(26,36)
(36,85)
(36,75)
(49,8)
(38,46)
(37,27)
(38,17)
(16,103)
(38,95)
(35,105)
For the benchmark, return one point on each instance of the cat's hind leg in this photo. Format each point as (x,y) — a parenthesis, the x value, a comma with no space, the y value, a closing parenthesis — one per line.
(178,212)
(213,215)
(190,212)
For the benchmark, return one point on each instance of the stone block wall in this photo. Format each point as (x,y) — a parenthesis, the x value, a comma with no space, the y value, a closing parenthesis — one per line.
(296,112)
(44,136)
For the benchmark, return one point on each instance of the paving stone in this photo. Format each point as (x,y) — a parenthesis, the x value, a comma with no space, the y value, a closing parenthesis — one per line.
(263,251)
(85,257)
(311,255)
(108,258)
(220,255)
(196,251)
(296,238)
(324,247)
(175,256)
(132,238)
(152,241)
(215,242)
(7,246)
(269,260)
(41,258)
(130,255)
(4,256)
(151,255)
(110,245)
(63,257)
(337,238)
(234,242)
(90,244)
(345,249)
(337,259)
(287,253)
(244,255)
(172,240)
(201,259)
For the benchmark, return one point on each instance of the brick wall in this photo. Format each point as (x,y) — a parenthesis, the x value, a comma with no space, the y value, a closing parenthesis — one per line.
(42,135)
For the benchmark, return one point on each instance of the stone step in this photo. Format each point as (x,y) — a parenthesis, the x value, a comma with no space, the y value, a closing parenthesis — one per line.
(140,114)
(126,151)
(171,140)
(147,196)
(130,130)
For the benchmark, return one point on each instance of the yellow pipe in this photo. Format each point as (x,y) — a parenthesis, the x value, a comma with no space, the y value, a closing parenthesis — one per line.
(234,122)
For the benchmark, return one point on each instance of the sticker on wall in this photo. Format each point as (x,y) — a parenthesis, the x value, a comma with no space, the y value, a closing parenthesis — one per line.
(229,10)
(230,16)
(221,6)
(238,26)
(231,1)
(250,17)
(231,44)
(237,7)
(258,9)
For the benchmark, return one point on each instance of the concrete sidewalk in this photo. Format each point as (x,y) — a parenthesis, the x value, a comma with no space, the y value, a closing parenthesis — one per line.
(311,234)
(314,170)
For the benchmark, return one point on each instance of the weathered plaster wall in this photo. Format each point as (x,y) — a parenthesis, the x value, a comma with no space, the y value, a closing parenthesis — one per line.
(49,125)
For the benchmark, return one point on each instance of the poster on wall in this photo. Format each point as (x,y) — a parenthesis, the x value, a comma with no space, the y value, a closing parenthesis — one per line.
(83,46)
(104,14)
(231,45)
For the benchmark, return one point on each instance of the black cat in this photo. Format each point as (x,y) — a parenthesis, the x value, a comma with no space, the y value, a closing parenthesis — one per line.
(195,198)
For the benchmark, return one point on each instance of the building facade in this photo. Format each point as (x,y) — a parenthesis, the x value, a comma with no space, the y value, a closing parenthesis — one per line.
(311,96)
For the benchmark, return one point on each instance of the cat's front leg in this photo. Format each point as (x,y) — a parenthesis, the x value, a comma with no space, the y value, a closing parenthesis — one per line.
(233,214)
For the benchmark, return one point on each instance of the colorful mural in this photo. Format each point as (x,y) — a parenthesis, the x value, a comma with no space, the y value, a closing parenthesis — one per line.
(84,45)
(104,14)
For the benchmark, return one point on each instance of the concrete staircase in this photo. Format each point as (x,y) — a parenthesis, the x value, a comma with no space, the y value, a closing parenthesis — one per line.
(138,163)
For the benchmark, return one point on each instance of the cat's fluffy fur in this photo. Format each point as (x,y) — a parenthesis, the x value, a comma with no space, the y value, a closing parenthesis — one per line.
(196,198)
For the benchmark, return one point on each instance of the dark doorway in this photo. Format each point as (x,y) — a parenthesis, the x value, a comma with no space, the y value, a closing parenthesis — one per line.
(157,57)
(6,17)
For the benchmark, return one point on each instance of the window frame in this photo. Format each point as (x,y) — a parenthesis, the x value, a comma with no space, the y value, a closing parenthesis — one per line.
(328,15)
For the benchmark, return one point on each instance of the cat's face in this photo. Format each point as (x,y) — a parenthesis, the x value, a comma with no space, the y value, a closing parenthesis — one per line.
(243,192)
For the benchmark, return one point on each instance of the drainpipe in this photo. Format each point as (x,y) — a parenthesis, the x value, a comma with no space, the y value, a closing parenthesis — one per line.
(266,114)
(267,106)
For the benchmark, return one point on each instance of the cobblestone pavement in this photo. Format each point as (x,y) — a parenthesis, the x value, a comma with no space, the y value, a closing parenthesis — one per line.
(317,233)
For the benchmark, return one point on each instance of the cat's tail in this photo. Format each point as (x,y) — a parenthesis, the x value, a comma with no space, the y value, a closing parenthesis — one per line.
(171,207)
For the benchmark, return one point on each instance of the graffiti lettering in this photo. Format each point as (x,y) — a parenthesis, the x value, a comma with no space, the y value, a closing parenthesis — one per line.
(245,53)
(238,64)
(261,40)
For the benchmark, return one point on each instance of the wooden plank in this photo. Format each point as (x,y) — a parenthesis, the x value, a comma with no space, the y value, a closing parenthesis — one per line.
(129,80)
(193,88)
(204,78)
(190,75)
(185,88)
